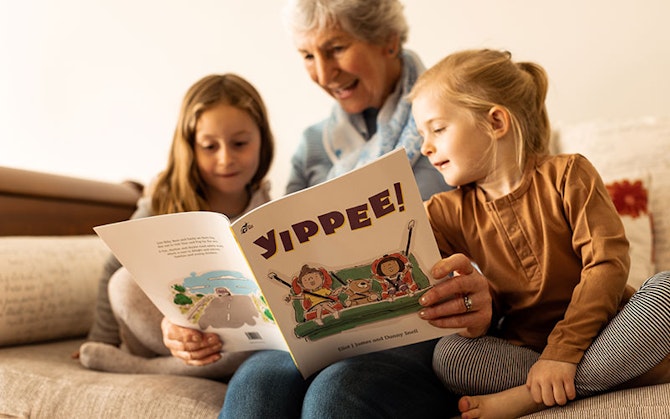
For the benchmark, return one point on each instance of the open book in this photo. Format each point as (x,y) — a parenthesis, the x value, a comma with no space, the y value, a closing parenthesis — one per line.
(330,272)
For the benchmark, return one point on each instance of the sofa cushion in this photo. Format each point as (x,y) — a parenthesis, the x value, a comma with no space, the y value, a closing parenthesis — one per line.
(43,381)
(49,286)
(644,402)
(630,194)
(616,147)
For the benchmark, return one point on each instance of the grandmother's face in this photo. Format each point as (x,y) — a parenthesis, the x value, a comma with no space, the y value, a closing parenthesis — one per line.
(358,74)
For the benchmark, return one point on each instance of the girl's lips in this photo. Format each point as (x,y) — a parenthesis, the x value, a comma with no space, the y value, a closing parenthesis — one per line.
(227,175)
(439,165)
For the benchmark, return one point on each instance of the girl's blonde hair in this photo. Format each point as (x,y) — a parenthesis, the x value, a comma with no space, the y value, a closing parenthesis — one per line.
(480,79)
(180,186)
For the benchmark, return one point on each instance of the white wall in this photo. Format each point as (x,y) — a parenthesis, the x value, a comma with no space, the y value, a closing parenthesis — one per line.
(92,87)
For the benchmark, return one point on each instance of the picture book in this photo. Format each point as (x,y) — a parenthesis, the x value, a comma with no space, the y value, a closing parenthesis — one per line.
(326,273)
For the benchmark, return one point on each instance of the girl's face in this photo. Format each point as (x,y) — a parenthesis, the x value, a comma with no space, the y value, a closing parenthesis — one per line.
(455,145)
(312,281)
(227,151)
(390,267)
(358,74)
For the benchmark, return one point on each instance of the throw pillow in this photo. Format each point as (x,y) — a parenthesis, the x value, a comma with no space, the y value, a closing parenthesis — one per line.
(49,286)
(631,197)
(616,147)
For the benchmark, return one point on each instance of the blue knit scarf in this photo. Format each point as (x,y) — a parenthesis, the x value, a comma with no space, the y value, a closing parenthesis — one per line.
(348,149)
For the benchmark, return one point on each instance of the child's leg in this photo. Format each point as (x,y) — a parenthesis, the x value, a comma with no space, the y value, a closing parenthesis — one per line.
(139,320)
(481,366)
(634,342)
(490,368)
(103,357)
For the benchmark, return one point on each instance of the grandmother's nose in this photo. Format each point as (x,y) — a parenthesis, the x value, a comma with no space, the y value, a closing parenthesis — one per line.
(325,69)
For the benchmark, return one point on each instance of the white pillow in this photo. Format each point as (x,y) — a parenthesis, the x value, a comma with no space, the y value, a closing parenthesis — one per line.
(619,147)
(49,286)
(631,197)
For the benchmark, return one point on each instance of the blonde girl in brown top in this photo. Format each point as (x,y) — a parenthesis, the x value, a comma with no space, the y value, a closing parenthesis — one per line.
(544,232)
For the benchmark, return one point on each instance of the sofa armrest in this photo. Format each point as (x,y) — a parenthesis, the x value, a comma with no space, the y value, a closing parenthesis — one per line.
(36,203)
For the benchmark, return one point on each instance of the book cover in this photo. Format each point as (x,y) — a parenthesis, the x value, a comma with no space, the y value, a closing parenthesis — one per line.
(337,268)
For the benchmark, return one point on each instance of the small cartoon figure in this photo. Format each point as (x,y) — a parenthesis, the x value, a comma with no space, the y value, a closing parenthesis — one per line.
(314,287)
(228,310)
(394,271)
(359,291)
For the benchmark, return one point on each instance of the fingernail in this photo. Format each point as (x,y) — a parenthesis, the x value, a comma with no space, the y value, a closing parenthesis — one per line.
(423,300)
(422,314)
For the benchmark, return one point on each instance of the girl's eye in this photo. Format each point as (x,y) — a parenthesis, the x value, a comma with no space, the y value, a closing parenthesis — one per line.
(208,146)
(438,130)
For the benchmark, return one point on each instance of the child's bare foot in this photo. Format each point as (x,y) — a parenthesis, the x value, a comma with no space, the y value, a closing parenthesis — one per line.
(510,403)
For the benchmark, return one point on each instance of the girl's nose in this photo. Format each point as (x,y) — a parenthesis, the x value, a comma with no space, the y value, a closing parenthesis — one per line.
(427,148)
(223,156)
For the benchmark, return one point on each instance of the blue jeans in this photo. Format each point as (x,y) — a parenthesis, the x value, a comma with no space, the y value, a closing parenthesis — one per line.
(394,383)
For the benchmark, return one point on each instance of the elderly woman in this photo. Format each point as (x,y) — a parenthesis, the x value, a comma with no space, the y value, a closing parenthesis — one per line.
(353,50)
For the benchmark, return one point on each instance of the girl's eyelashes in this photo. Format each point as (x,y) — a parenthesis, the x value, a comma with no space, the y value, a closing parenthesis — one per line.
(215,145)
(207,146)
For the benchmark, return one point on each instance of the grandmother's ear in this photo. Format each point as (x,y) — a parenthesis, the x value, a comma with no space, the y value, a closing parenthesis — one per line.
(393,45)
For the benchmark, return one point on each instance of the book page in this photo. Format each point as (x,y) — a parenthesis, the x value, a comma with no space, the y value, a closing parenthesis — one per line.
(344,263)
(191,268)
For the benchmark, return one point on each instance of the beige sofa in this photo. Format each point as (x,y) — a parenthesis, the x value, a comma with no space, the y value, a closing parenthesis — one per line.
(50,263)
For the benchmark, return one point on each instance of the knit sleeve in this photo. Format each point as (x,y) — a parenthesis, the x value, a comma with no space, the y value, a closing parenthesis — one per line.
(599,240)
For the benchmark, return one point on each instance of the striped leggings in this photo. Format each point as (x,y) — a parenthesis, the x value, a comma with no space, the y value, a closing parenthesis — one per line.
(636,340)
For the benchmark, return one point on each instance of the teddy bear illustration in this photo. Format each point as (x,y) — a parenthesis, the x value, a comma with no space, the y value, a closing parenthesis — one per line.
(359,291)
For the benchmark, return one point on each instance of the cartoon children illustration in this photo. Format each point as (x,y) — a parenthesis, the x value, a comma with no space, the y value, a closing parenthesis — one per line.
(394,271)
(314,287)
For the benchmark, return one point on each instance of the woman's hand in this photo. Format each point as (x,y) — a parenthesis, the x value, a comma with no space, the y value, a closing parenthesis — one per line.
(191,346)
(463,301)
(552,382)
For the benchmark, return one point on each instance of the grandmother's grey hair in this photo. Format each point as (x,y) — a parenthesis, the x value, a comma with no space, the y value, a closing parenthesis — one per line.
(374,21)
